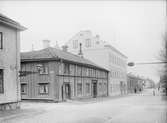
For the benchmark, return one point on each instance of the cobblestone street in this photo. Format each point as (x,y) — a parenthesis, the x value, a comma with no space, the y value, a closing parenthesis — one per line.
(139,108)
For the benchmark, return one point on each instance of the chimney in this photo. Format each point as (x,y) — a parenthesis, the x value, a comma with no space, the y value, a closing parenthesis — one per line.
(65,47)
(80,50)
(46,44)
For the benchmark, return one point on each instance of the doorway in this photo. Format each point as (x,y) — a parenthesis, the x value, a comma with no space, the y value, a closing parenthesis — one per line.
(66,91)
(94,88)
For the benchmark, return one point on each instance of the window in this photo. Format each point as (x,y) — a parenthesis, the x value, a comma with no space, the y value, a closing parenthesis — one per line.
(1,81)
(1,40)
(97,42)
(87,88)
(87,43)
(43,69)
(79,88)
(79,71)
(23,88)
(43,88)
(87,71)
(90,72)
(66,68)
(75,44)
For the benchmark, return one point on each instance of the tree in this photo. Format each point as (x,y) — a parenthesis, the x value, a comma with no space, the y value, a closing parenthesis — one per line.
(163,79)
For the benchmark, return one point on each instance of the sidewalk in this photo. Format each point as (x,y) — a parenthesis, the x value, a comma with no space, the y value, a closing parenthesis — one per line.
(95,100)
(12,114)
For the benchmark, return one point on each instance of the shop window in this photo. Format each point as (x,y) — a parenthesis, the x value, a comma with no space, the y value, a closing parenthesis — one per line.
(43,88)
(1,81)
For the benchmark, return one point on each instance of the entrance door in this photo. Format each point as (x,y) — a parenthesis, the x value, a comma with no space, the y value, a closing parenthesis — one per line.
(66,91)
(94,88)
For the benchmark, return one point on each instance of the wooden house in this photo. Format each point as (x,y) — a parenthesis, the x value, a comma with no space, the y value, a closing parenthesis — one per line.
(57,75)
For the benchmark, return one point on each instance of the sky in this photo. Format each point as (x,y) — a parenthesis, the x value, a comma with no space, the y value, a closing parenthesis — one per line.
(136,28)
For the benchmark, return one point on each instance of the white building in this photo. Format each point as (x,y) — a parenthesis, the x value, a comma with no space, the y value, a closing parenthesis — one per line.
(103,54)
(9,63)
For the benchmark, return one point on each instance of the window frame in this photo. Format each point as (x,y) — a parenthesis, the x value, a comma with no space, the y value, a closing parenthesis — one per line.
(79,92)
(25,91)
(88,42)
(44,70)
(43,85)
(1,40)
(75,44)
(88,88)
(2,81)
(66,69)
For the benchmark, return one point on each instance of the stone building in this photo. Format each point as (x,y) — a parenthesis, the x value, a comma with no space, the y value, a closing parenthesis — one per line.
(9,63)
(105,55)
(135,83)
(57,75)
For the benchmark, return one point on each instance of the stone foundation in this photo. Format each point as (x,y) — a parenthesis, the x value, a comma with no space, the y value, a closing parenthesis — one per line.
(10,106)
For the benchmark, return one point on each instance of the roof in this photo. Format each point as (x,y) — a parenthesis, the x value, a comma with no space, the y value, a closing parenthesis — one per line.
(7,21)
(114,49)
(56,54)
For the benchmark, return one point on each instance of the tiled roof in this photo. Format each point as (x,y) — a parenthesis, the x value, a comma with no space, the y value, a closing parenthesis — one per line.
(5,20)
(55,54)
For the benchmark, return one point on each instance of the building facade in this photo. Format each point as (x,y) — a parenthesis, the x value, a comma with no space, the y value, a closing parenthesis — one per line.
(56,75)
(9,63)
(104,55)
(135,84)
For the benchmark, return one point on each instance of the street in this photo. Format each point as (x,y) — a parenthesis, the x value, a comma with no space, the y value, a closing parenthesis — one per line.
(133,108)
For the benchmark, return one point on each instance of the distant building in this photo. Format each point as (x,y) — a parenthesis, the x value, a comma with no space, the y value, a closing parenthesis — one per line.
(104,55)
(9,63)
(56,75)
(149,83)
(135,84)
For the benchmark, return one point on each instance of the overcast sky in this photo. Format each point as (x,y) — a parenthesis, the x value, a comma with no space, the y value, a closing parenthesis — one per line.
(133,27)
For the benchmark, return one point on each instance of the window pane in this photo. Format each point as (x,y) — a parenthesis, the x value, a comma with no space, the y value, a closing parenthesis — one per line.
(1,41)
(23,88)
(43,88)
(1,81)
(87,87)
(79,88)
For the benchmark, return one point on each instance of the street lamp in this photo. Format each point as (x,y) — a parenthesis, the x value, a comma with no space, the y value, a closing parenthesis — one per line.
(131,64)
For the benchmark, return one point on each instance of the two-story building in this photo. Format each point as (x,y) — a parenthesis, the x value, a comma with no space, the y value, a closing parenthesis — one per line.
(9,63)
(134,83)
(104,55)
(56,75)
